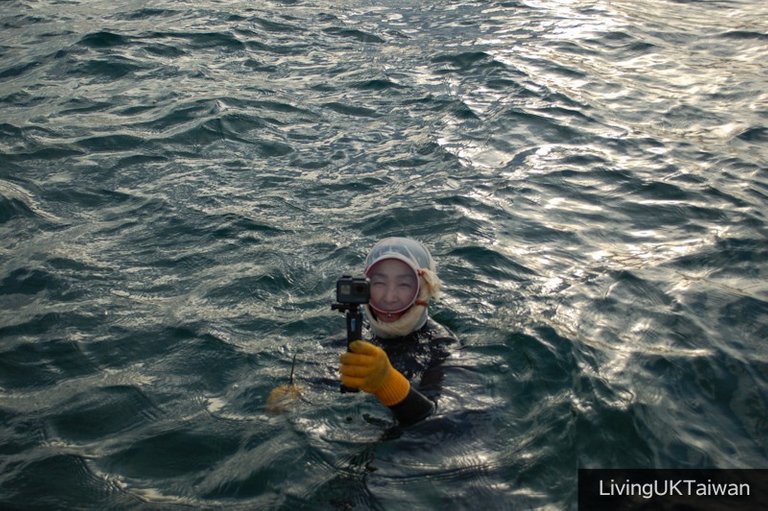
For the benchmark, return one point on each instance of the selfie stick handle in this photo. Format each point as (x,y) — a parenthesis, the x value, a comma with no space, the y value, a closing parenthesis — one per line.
(354,333)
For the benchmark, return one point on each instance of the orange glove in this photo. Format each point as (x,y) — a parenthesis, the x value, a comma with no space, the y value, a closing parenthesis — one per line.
(366,367)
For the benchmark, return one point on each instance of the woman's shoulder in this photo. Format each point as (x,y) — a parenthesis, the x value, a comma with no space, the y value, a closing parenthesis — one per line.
(437,332)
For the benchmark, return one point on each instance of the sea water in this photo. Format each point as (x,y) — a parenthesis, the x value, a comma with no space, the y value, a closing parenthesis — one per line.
(181,184)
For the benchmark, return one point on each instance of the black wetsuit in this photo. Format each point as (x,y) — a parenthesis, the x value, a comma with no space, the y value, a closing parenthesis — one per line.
(419,357)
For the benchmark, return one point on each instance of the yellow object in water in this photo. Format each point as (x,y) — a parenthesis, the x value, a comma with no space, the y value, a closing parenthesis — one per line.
(284,396)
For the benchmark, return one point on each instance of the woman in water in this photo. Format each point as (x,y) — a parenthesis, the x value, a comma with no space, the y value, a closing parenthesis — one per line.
(401,364)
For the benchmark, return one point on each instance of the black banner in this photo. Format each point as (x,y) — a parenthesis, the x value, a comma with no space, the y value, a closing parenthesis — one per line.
(673,490)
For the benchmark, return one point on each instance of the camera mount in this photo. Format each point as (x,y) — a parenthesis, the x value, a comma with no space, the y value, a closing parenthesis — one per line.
(351,293)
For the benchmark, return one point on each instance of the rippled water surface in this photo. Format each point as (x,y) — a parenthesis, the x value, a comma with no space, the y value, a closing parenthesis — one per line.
(181,183)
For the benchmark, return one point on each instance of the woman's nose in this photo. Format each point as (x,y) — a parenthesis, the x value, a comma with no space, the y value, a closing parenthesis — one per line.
(391,294)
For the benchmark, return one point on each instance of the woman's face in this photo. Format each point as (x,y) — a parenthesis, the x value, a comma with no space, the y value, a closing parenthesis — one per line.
(394,286)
